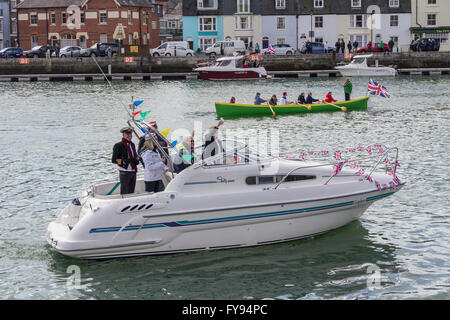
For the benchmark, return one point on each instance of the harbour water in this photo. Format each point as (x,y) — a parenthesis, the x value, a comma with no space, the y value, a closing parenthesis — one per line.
(57,138)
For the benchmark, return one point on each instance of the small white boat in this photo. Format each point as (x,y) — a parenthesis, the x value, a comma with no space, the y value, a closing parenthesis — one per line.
(236,198)
(231,68)
(358,67)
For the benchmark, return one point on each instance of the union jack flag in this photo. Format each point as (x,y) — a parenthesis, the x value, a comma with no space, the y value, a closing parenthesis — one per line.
(355,164)
(377,184)
(360,172)
(271,49)
(338,167)
(337,155)
(397,180)
(376,89)
(369,178)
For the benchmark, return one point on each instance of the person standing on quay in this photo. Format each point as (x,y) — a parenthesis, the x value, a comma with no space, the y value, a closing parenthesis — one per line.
(349,46)
(125,156)
(348,89)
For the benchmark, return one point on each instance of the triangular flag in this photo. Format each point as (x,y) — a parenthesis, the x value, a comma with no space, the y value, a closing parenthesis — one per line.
(144,114)
(137,112)
(165,133)
(174,143)
(136,103)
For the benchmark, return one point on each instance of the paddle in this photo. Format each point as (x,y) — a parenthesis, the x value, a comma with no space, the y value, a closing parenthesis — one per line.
(342,108)
(304,105)
(273,112)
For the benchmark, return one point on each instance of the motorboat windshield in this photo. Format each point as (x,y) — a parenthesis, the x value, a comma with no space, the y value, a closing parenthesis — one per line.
(228,152)
(358,60)
(223,63)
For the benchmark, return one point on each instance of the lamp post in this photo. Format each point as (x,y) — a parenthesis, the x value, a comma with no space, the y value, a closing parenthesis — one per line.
(371,26)
(311,32)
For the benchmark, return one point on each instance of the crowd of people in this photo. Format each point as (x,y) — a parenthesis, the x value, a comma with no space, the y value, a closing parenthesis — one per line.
(153,154)
(273,100)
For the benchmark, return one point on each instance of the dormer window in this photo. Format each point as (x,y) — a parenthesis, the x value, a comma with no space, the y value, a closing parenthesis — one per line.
(318,3)
(243,6)
(206,4)
(280,4)
(394,3)
(356,3)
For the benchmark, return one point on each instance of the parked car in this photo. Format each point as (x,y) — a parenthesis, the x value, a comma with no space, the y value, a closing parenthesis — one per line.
(100,50)
(39,52)
(280,49)
(375,48)
(11,52)
(161,50)
(227,47)
(317,47)
(425,44)
(70,51)
(177,50)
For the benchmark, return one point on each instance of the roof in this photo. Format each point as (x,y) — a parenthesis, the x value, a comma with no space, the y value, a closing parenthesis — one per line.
(66,3)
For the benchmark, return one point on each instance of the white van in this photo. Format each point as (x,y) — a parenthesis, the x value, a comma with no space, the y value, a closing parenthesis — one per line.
(161,50)
(227,47)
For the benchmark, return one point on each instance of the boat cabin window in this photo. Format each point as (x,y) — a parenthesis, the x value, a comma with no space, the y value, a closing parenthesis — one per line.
(275,179)
(358,60)
(223,63)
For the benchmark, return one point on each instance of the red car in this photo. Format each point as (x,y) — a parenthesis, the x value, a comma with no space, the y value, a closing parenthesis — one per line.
(375,48)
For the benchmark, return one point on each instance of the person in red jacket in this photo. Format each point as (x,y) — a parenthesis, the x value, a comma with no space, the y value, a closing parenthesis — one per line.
(329,98)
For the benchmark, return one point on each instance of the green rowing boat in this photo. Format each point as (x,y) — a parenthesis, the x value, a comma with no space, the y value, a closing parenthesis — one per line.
(243,110)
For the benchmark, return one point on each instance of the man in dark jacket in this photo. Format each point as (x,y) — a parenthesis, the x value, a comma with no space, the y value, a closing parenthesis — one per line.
(355,46)
(126,158)
(310,99)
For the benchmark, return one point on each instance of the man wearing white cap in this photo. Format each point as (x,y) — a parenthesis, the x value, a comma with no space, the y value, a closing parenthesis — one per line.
(126,158)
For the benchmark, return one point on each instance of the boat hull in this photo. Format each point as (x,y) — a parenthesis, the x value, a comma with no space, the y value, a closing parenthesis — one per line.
(213,230)
(231,75)
(367,72)
(239,110)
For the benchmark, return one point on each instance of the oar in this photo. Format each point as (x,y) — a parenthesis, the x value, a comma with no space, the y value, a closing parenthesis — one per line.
(342,108)
(273,112)
(304,105)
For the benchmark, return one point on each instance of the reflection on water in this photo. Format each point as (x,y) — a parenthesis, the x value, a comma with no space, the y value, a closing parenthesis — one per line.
(57,139)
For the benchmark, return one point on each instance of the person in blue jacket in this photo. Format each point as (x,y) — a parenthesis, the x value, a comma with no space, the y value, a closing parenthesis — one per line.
(310,99)
(258,99)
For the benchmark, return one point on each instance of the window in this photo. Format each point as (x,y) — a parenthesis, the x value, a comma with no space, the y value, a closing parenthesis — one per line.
(318,22)
(205,42)
(172,24)
(394,3)
(243,6)
(431,19)
(207,24)
(129,17)
(275,179)
(362,39)
(280,4)
(206,4)
(34,40)
(318,3)
(1,24)
(243,22)
(82,17)
(358,21)
(432,2)
(103,17)
(64,17)
(356,3)
(144,18)
(441,37)
(153,24)
(104,38)
(281,22)
(52,17)
(394,21)
(33,18)
(281,41)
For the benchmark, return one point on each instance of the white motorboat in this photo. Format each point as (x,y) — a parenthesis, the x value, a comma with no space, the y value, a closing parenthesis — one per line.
(358,67)
(231,68)
(236,198)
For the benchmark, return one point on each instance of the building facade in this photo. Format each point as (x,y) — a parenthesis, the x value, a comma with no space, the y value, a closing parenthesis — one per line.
(431,19)
(85,22)
(4,24)
(171,23)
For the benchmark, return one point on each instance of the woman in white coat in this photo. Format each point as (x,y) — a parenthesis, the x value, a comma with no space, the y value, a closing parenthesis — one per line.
(154,167)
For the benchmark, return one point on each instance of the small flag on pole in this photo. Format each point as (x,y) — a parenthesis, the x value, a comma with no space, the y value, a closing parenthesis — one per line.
(376,89)
(137,103)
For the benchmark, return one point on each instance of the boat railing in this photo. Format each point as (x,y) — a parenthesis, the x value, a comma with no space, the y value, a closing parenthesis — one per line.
(344,163)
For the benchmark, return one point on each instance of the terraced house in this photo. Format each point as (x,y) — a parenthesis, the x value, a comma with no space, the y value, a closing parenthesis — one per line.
(85,22)
(269,22)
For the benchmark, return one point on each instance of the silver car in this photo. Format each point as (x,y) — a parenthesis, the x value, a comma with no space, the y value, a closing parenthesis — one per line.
(176,50)
(69,51)
(280,49)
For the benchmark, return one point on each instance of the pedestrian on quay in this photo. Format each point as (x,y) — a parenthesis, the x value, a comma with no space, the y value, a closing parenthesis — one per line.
(382,45)
(342,46)
(391,45)
(349,46)
(337,45)
(257,48)
(348,87)
(126,158)
(355,46)
(369,46)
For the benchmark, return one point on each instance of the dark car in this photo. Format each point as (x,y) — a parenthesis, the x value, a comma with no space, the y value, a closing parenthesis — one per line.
(100,50)
(39,52)
(317,47)
(425,44)
(11,53)
(375,48)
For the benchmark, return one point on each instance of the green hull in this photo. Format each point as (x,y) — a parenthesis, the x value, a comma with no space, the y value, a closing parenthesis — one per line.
(224,110)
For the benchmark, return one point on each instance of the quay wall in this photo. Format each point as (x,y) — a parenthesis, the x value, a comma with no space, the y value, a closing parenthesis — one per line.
(187,64)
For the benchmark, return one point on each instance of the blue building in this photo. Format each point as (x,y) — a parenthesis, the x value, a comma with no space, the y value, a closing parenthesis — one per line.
(202,23)
(4,24)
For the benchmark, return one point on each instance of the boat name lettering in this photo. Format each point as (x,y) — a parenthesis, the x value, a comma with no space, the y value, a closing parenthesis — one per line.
(221,179)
